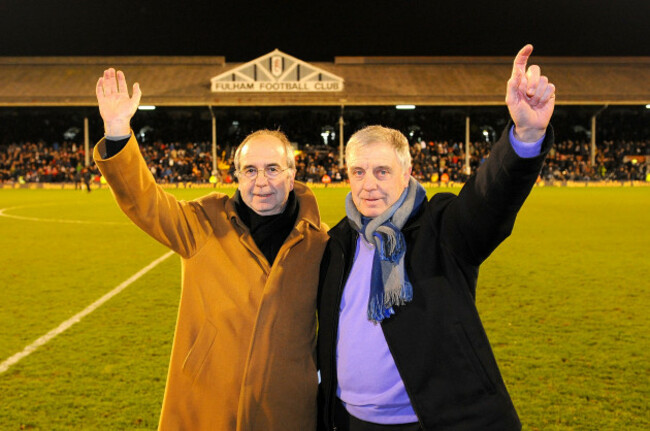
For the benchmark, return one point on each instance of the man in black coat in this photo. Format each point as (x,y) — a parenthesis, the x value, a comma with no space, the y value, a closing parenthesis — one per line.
(400,344)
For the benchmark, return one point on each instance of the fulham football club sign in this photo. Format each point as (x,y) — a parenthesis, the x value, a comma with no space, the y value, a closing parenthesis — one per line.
(275,72)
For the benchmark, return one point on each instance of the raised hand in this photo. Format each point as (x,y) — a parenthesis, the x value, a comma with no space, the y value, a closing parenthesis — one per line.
(530,98)
(115,105)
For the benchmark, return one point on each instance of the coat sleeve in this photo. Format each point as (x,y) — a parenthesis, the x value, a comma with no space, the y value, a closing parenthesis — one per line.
(483,215)
(182,226)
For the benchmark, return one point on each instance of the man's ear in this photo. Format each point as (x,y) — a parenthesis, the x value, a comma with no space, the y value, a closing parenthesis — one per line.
(292,179)
(407,174)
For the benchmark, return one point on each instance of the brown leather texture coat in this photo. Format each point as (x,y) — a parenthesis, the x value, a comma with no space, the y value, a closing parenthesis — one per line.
(243,356)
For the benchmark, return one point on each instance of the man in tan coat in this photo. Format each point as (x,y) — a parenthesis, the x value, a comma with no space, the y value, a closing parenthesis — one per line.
(243,356)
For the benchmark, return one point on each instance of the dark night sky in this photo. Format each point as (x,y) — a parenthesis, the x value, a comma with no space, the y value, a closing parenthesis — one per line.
(317,31)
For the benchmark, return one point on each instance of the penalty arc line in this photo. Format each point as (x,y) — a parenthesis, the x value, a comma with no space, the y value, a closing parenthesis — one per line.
(13,360)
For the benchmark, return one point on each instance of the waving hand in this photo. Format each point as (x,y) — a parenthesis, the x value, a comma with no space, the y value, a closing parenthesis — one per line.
(115,105)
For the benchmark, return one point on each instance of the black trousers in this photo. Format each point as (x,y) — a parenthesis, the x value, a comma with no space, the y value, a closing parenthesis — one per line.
(344,421)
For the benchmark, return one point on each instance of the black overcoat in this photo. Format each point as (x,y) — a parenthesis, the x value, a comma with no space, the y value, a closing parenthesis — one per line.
(437,340)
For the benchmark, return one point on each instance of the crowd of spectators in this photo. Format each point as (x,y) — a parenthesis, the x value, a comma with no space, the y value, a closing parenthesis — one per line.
(433,161)
(28,162)
(176,142)
(615,160)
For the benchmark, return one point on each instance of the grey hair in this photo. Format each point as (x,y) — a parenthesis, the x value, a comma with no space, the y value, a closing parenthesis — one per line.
(288,148)
(373,134)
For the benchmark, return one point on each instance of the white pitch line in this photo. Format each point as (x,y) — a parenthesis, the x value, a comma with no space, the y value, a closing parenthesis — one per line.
(13,360)
(55,220)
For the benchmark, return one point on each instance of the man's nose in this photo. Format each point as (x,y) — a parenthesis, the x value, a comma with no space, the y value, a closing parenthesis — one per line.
(260,179)
(369,182)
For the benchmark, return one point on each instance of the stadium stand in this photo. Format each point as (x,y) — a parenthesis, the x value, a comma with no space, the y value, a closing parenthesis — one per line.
(44,101)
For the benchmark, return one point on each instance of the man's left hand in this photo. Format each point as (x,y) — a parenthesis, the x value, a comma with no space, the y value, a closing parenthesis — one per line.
(530,98)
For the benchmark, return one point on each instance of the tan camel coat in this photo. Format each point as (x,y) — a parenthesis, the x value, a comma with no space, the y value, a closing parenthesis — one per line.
(243,356)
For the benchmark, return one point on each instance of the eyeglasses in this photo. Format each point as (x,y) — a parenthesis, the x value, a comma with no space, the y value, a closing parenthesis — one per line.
(250,173)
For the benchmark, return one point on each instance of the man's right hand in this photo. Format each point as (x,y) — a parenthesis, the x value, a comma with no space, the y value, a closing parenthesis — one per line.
(115,105)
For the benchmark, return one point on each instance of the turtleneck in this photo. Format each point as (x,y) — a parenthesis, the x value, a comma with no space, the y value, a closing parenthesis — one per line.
(268,232)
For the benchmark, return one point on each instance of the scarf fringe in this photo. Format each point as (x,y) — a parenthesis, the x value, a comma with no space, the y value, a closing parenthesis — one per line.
(377,310)
(399,297)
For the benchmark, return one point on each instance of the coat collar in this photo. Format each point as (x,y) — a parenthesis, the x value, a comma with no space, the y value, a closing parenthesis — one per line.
(308,206)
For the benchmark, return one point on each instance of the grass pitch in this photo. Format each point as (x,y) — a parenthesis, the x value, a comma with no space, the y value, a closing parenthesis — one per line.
(565,301)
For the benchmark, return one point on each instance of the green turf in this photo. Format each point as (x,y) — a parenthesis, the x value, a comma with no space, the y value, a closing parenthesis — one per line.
(565,301)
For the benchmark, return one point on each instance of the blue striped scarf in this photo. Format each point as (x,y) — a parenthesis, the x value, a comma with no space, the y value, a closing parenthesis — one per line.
(389,284)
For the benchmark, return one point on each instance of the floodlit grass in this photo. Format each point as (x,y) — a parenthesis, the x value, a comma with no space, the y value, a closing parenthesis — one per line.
(565,302)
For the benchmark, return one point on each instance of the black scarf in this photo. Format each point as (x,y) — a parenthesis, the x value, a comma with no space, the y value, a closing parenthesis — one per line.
(268,232)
